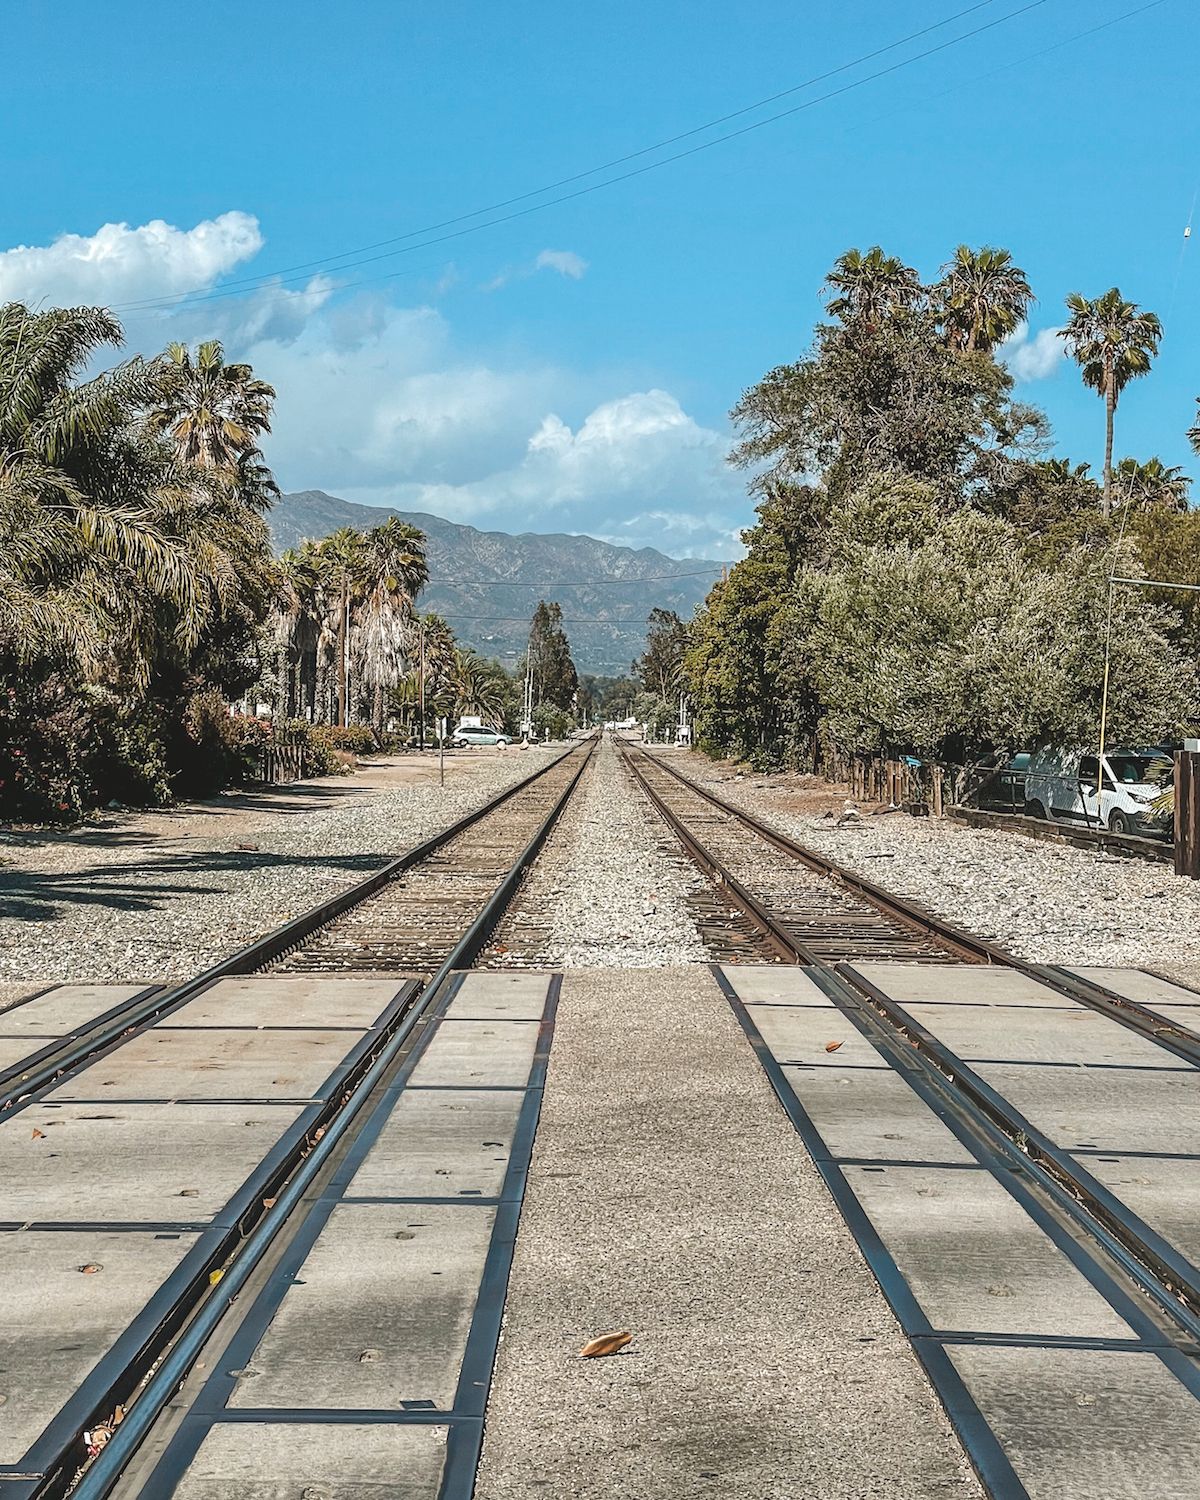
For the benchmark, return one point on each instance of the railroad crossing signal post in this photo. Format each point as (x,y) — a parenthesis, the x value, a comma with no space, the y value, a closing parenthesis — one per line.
(1187,813)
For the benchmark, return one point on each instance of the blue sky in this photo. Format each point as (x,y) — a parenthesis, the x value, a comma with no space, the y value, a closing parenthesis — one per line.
(572,369)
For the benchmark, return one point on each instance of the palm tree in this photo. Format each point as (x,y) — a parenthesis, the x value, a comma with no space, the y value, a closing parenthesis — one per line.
(983,298)
(1112,342)
(394,573)
(476,686)
(872,287)
(342,564)
(1152,485)
(213,411)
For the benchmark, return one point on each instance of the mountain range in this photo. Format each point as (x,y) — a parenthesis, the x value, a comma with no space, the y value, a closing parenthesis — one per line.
(488,583)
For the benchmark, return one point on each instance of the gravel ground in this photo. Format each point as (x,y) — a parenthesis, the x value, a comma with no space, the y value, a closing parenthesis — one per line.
(162,895)
(605,892)
(669,1195)
(1048,902)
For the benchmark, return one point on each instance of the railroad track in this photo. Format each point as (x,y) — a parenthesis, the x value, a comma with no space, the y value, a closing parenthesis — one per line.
(327,1031)
(1073,1098)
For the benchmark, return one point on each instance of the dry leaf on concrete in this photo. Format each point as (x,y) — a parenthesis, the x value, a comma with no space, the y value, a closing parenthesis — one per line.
(832,1046)
(605,1343)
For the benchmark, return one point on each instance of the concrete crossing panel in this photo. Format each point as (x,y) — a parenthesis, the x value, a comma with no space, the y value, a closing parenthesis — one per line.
(441,1143)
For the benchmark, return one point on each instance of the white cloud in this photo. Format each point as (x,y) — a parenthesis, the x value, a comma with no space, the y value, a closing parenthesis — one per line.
(565,262)
(119,264)
(1033,358)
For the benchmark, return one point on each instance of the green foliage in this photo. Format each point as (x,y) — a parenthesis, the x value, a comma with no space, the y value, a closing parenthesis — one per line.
(555,678)
(551,723)
(659,669)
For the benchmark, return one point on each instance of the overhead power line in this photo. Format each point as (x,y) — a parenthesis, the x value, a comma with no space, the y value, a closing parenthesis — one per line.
(349,259)
(567,583)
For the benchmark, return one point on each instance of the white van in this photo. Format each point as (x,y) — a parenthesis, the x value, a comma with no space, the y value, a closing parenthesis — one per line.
(1111,791)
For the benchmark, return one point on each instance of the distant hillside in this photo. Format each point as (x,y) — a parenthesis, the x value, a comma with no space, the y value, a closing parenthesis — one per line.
(487,583)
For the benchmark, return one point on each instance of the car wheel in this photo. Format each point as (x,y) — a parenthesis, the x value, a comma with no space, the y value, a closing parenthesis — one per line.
(1119,822)
(502,744)
(1034,809)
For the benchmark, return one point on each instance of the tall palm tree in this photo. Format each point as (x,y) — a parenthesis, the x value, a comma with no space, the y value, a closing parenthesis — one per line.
(342,562)
(983,297)
(870,288)
(476,686)
(1152,485)
(214,412)
(1113,342)
(394,572)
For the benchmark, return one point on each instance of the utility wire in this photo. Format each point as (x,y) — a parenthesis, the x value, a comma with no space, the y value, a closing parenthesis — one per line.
(565,583)
(236,289)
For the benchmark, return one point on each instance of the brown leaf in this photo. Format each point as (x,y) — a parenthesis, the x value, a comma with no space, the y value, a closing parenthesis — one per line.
(605,1343)
(269,1202)
(90,1269)
(832,1046)
(38,1135)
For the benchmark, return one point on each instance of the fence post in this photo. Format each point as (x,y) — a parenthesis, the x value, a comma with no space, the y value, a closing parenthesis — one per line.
(936,799)
(1187,814)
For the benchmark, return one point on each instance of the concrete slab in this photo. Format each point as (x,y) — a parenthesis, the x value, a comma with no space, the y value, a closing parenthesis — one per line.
(779,984)
(960,984)
(803,1034)
(286,1000)
(474,1054)
(671,1196)
(873,1113)
(129,1163)
(170,1062)
(500,997)
(1026,1034)
(1081,1423)
(316,1461)
(441,1144)
(1108,1108)
(973,1257)
(64,1010)
(56,1322)
(1146,989)
(1163,1192)
(378,1313)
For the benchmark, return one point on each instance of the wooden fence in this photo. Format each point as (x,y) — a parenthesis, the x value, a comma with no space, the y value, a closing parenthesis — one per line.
(1187,814)
(278,764)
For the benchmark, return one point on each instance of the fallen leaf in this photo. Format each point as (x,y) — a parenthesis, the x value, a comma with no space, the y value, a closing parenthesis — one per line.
(91,1268)
(605,1343)
(38,1135)
(832,1046)
(214,1277)
(269,1202)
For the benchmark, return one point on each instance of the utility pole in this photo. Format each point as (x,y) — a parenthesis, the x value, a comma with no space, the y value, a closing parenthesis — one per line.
(421,689)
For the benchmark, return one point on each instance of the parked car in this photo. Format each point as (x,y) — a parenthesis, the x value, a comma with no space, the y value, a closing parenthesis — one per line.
(1111,791)
(468,734)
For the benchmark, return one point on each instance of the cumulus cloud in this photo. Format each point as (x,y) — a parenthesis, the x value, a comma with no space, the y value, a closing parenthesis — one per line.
(123,264)
(1033,358)
(565,262)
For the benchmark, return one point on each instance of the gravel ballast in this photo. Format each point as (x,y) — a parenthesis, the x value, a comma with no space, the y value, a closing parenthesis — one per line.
(605,893)
(161,896)
(1049,903)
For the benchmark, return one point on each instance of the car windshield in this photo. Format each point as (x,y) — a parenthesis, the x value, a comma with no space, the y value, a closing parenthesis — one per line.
(1129,769)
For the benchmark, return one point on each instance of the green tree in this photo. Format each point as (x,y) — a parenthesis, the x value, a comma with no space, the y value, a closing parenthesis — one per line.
(659,668)
(870,289)
(214,412)
(549,658)
(1151,486)
(394,570)
(1113,342)
(982,298)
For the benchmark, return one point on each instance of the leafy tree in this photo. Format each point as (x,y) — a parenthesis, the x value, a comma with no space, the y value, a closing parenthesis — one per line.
(659,667)
(982,297)
(1113,342)
(554,675)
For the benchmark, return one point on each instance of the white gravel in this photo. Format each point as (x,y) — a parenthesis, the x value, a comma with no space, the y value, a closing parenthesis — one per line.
(1047,902)
(149,898)
(604,889)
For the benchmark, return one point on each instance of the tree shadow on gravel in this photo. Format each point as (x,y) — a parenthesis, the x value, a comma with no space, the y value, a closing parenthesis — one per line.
(151,884)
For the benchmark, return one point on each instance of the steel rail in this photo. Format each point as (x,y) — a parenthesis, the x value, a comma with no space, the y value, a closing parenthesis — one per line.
(1164,1032)
(44,1066)
(209,1304)
(1162,1273)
